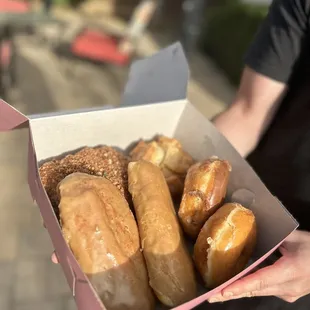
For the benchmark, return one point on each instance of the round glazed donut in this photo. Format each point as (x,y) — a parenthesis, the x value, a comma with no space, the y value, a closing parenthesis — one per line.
(225,244)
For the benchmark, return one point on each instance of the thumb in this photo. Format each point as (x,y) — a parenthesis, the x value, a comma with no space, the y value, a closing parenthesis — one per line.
(262,279)
(54,258)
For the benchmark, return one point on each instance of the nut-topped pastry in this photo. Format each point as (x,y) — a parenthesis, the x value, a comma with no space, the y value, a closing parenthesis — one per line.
(101,161)
(168,154)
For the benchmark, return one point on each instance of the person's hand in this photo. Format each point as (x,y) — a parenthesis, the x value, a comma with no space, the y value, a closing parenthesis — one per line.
(288,278)
(54,258)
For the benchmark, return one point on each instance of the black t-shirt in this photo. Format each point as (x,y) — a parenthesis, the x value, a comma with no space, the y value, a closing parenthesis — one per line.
(281,51)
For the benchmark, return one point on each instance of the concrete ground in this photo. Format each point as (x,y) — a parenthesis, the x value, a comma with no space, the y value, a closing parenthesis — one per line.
(29,281)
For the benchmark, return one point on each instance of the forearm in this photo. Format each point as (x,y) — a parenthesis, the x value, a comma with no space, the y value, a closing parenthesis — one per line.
(250,113)
(238,127)
(270,61)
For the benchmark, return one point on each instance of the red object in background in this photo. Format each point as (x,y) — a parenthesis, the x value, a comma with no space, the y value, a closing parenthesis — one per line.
(10,6)
(97,46)
(5,53)
(13,6)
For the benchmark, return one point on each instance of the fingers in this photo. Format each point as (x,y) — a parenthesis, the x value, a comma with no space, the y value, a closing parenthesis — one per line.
(54,258)
(294,291)
(271,280)
(260,280)
(270,291)
(289,291)
(288,298)
(278,291)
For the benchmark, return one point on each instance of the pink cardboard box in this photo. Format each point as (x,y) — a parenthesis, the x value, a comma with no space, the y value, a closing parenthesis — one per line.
(157,89)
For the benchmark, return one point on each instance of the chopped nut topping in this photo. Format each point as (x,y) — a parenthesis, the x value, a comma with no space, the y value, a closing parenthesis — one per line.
(101,161)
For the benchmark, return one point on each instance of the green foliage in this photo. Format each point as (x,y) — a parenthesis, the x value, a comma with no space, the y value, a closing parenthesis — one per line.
(62,2)
(229,29)
(71,3)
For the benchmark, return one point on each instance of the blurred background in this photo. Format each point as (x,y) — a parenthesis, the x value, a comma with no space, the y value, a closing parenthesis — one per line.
(62,55)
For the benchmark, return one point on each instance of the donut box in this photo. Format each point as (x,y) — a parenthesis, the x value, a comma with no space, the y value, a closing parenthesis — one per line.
(154,102)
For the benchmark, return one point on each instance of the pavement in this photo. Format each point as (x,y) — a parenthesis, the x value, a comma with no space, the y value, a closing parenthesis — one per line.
(29,281)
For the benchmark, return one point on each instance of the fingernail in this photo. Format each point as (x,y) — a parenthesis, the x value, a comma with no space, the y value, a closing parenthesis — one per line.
(212,300)
(228,294)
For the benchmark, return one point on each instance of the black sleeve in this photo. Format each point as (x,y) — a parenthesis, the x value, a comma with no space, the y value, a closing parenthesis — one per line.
(277,45)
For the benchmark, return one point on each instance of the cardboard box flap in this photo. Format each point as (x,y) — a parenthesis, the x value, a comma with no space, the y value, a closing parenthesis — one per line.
(70,112)
(10,118)
(160,78)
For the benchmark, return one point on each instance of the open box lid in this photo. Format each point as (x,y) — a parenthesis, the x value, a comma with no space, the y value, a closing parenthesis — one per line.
(160,79)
